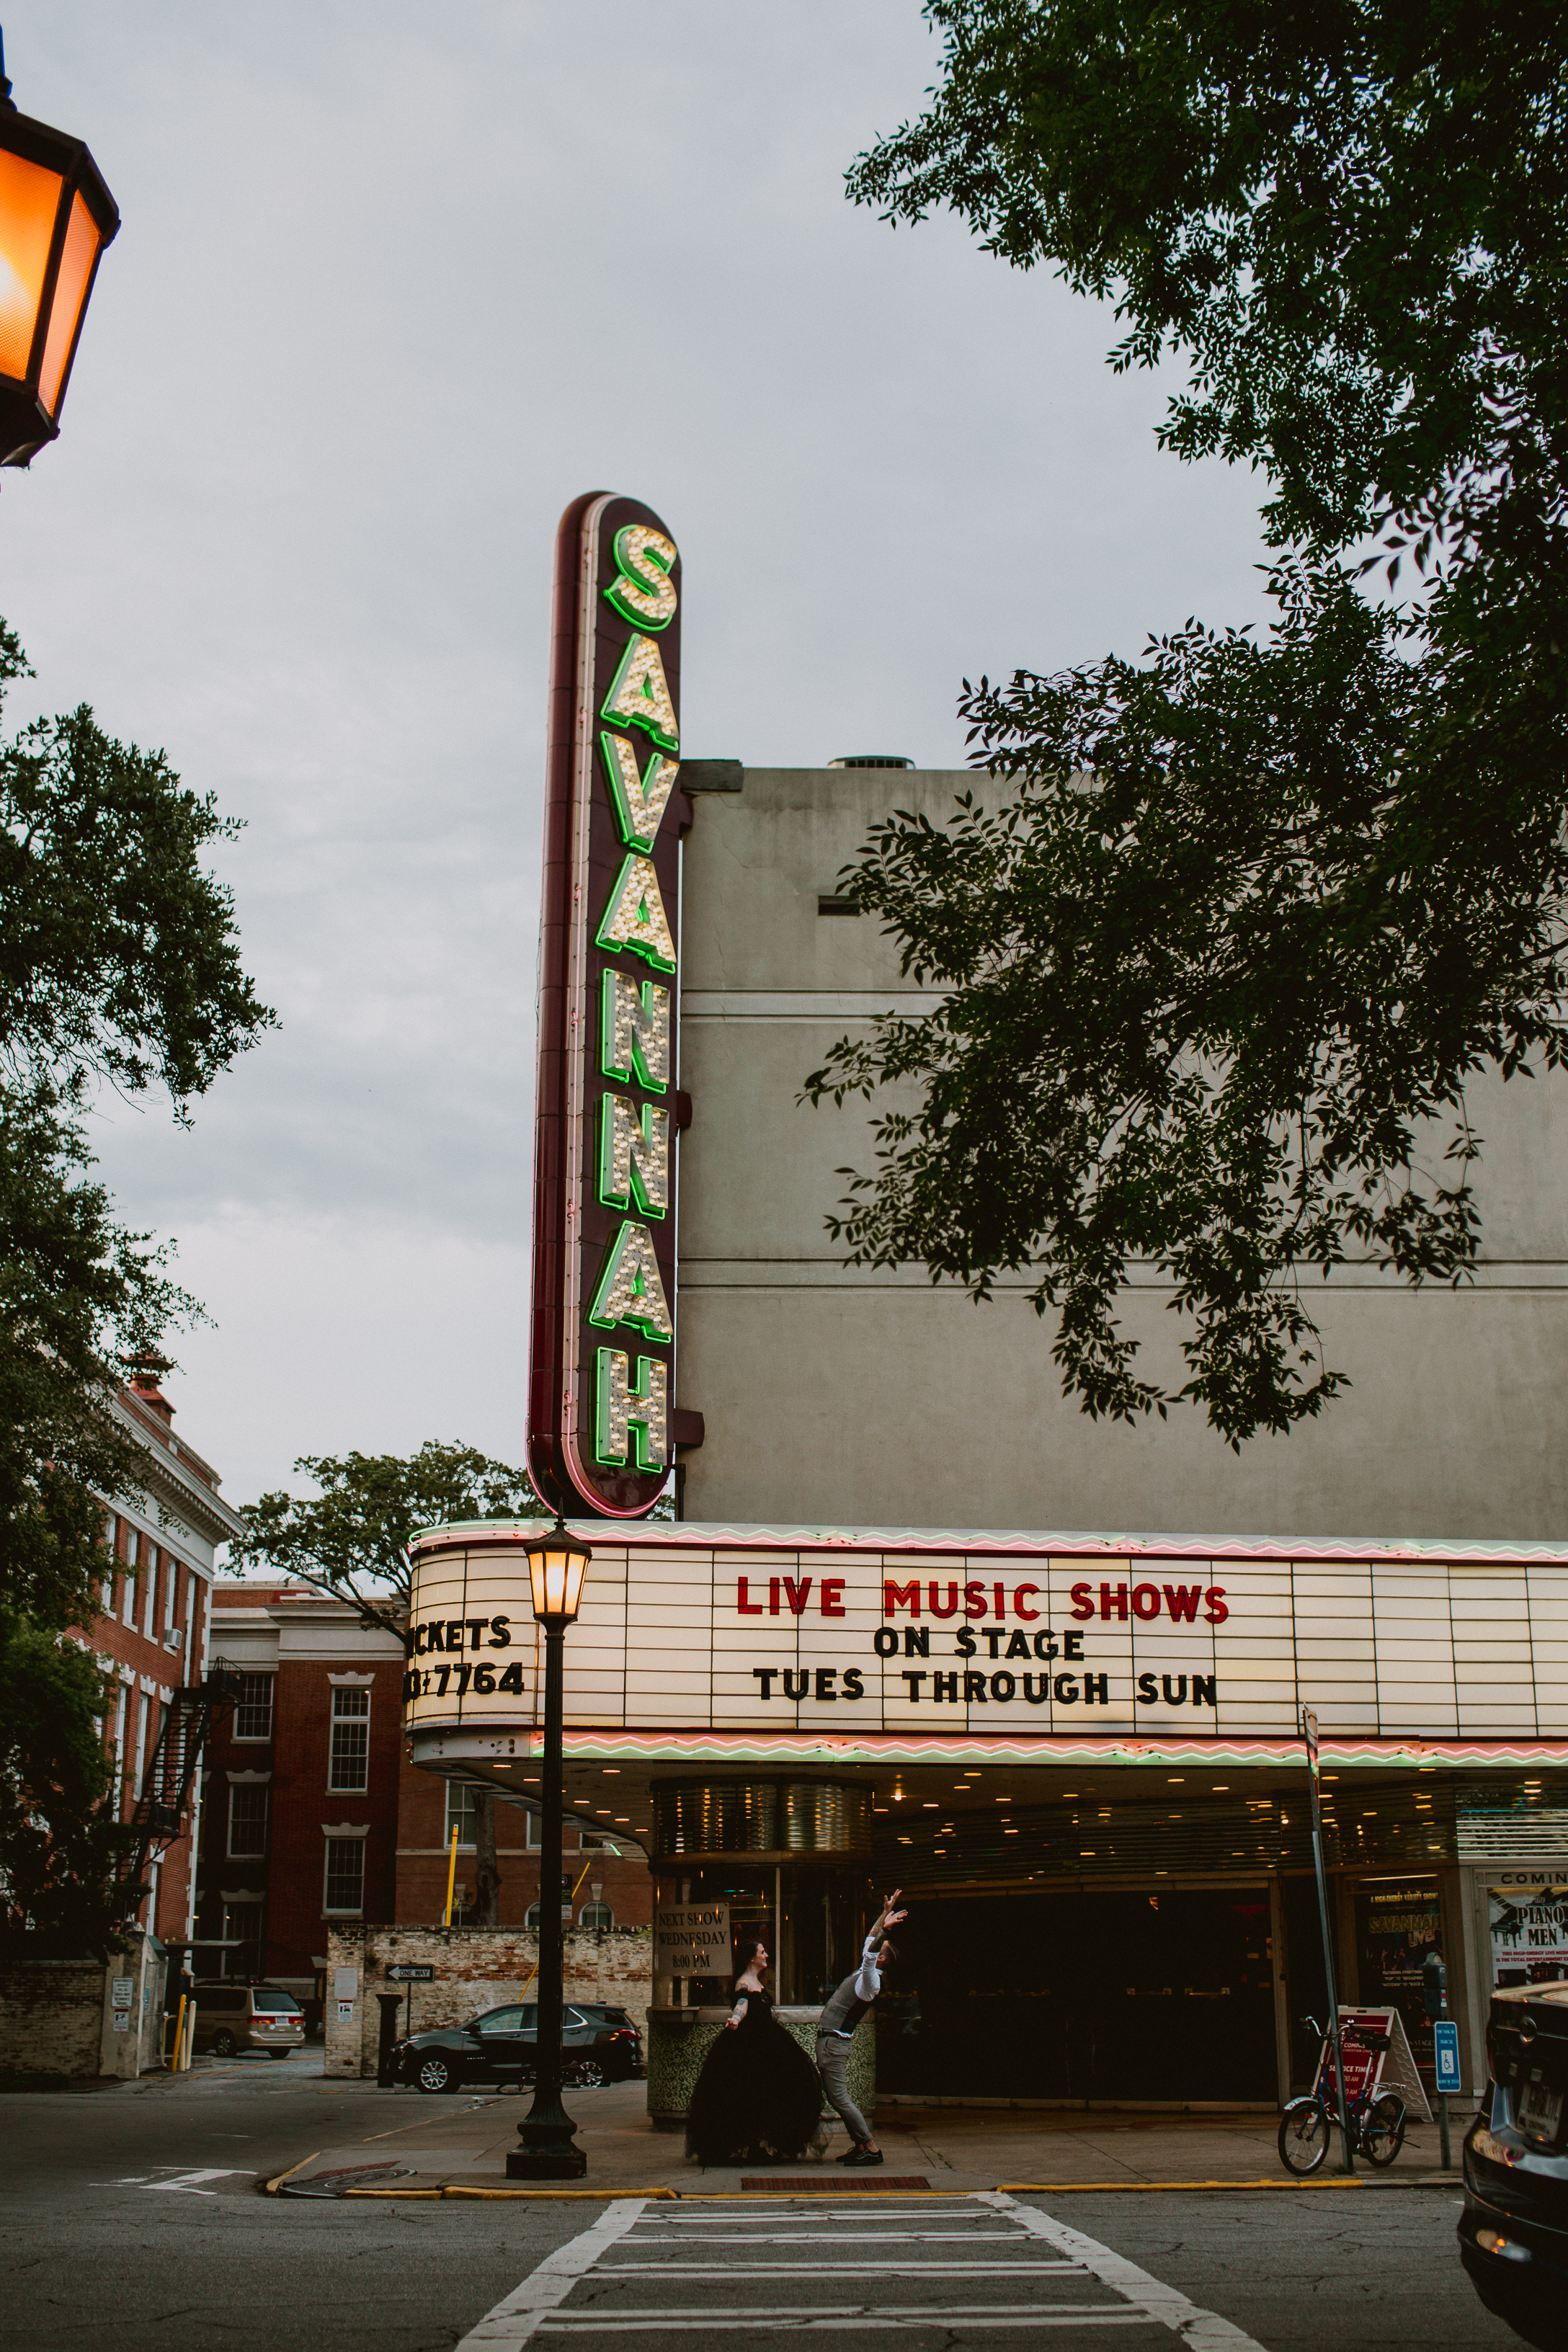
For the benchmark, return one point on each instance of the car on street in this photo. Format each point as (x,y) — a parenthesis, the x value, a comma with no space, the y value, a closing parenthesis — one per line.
(234,2016)
(1513,2230)
(501,2043)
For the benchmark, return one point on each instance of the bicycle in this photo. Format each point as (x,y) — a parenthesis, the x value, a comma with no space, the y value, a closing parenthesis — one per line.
(1308,2124)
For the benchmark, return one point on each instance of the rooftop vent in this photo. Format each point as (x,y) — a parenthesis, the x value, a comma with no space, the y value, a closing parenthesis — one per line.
(871,759)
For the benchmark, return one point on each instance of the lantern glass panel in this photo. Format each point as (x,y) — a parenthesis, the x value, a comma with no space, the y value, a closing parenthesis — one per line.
(557,1571)
(30,197)
(80,251)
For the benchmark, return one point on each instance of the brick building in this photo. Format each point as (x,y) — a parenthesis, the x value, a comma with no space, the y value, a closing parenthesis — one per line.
(314,1818)
(299,1810)
(152,1630)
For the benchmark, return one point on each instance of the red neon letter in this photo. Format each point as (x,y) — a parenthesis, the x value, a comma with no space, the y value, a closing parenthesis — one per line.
(894,1596)
(832,1586)
(1216,1613)
(746,1608)
(1028,1615)
(797,1594)
(1082,1606)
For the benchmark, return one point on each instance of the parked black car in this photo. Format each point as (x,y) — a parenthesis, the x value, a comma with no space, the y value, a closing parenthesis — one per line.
(500,2044)
(1513,2231)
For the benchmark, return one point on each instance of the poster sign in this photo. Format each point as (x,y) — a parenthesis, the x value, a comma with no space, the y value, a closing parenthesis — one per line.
(692,1939)
(1529,1931)
(601,1398)
(1399,1927)
(1393,2069)
(345,2012)
(122,1992)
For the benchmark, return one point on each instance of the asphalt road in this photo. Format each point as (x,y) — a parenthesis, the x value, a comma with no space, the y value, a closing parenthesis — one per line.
(131,2217)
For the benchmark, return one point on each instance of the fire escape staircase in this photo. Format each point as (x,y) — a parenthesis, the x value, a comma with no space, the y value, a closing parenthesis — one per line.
(161,1809)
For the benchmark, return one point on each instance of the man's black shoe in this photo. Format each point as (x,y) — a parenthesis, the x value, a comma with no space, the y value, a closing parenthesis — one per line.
(863,2156)
(852,2149)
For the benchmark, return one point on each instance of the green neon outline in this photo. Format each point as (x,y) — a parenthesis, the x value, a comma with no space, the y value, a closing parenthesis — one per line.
(612,908)
(640,1075)
(621,805)
(613,594)
(635,1197)
(612,1266)
(635,717)
(636,1429)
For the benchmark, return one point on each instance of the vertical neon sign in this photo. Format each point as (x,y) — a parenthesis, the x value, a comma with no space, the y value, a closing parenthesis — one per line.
(601,1401)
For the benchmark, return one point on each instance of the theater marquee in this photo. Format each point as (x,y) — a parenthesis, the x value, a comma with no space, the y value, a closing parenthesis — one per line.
(602,1390)
(748,1632)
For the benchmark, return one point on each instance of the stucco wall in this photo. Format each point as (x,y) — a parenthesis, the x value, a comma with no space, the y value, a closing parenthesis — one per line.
(869,1398)
(476,1969)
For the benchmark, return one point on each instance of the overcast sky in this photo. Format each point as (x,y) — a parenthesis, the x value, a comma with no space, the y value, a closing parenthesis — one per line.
(394,284)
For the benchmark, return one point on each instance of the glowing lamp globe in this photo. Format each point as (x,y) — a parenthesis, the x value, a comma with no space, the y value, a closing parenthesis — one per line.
(557,1563)
(55,217)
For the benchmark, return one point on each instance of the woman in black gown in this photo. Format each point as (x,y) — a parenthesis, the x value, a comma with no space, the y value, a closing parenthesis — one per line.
(758,2094)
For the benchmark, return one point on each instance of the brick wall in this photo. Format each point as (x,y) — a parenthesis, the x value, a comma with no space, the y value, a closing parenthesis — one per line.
(51,2017)
(476,1969)
(303,1805)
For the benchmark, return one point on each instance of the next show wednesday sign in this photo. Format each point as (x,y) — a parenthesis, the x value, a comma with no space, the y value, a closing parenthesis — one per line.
(601,1399)
(678,1633)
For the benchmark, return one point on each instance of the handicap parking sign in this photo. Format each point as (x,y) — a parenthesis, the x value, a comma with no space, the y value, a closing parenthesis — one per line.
(1446,2037)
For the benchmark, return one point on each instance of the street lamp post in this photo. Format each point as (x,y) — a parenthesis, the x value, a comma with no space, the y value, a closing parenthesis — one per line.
(557,1563)
(55,217)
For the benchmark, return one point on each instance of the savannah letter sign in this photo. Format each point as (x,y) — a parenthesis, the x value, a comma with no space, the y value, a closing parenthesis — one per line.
(601,1391)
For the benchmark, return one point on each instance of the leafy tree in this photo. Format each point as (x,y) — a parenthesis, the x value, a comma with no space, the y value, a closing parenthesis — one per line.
(351,1539)
(1349,220)
(1250,914)
(57,1842)
(118,966)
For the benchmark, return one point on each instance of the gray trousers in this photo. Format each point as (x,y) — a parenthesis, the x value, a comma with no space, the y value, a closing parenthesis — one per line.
(833,2065)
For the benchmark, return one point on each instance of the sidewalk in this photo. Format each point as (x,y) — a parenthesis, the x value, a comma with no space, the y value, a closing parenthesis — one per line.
(430,2145)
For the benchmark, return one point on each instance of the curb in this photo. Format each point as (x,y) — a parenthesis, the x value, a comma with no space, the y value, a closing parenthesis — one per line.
(1162,2187)
(460,2191)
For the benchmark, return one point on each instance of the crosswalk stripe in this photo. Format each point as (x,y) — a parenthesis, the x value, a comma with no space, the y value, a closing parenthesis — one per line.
(799,2318)
(1200,2330)
(629,2243)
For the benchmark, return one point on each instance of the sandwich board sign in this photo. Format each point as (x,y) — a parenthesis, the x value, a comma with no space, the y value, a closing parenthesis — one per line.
(1393,2069)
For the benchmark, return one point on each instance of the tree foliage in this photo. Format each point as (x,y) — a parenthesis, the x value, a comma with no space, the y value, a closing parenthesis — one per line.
(1239,920)
(76,1290)
(351,1538)
(1346,218)
(118,966)
(118,963)
(58,1843)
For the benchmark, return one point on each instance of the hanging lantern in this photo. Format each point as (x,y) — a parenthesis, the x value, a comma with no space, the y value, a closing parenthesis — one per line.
(55,217)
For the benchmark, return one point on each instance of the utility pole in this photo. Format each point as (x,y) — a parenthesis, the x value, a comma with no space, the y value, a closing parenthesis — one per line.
(1309,1735)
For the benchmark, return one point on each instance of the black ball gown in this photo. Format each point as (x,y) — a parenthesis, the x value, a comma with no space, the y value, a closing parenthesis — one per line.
(758,2094)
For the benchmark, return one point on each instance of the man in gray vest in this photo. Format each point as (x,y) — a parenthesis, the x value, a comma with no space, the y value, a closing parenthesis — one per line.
(835,2033)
